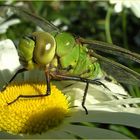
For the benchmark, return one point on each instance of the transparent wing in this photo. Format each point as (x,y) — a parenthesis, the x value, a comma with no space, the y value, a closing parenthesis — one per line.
(120,72)
(44,24)
(111,49)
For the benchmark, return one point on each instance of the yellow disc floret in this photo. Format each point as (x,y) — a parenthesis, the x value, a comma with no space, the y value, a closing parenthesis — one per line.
(31,115)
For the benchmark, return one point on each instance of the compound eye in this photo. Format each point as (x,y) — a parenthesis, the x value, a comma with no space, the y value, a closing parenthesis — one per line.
(44,47)
(48,46)
(50,43)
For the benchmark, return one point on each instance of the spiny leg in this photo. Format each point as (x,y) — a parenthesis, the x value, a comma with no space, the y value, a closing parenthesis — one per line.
(84,97)
(84,80)
(100,83)
(87,81)
(25,96)
(48,91)
(19,71)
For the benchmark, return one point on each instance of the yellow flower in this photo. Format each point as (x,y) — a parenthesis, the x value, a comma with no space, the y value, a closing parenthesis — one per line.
(31,115)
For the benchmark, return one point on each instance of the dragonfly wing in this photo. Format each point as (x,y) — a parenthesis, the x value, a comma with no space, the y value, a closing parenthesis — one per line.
(44,24)
(111,49)
(120,72)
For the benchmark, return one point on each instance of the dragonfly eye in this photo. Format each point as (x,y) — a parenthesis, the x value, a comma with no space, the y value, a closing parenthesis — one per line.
(25,50)
(45,46)
(48,46)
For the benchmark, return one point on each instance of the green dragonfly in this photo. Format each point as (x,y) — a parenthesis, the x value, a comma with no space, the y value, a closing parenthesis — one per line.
(64,56)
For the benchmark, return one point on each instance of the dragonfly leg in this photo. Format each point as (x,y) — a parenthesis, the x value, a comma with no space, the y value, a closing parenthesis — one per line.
(87,81)
(26,96)
(97,82)
(48,91)
(94,81)
(19,71)
(84,97)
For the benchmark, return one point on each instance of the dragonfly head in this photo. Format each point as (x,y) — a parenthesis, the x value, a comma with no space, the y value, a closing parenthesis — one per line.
(44,47)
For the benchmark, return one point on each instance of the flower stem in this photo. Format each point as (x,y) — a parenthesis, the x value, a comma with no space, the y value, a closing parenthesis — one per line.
(107,25)
(124,27)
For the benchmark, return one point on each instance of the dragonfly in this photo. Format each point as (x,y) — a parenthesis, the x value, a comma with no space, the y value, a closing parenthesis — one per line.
(64,56)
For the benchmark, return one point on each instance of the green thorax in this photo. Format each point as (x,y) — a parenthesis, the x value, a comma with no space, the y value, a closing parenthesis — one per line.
(74,59)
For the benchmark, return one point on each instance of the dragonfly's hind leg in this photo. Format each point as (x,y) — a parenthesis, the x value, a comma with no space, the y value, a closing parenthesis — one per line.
(86,90)
(87,81)
(98,82)
(84,97)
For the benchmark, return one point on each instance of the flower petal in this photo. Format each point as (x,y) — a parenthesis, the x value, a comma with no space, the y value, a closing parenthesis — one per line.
(4,26)
(9,60)
(4,135)
(121,118)
(118,7)
(96,94)
(93,133)
(54,134)
(135,7)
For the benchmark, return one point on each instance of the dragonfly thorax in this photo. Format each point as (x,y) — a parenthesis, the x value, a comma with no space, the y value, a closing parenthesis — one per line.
(72,58)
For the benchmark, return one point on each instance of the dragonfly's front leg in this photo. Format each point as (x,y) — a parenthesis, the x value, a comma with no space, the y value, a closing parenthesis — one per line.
(48,91)
(19,71)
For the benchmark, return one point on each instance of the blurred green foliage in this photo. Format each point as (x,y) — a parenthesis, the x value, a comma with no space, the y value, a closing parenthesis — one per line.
(83,18)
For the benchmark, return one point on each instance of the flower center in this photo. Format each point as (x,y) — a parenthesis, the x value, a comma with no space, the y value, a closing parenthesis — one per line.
(31,115)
